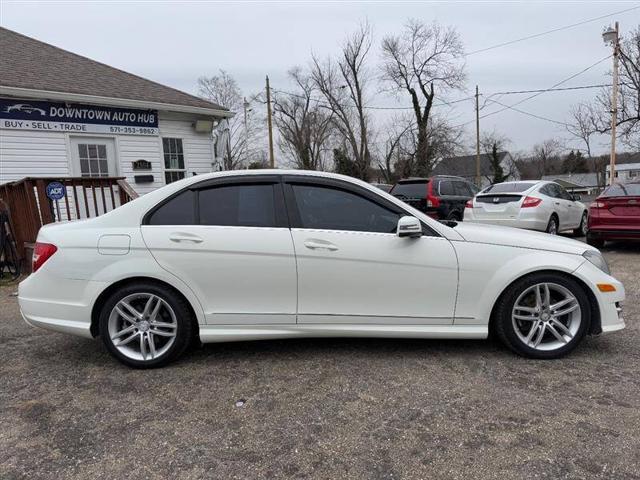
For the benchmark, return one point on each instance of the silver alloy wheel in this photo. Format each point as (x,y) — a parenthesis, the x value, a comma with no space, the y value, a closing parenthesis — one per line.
(583,225)
(142,326)
(553,227)
(546,316)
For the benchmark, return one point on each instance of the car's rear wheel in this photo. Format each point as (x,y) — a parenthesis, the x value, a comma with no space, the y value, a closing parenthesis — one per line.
(552,226)
(146,325)
(543,315)
(581,231)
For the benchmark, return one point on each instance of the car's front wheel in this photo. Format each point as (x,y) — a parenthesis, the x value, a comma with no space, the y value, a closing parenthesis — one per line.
(543,315)
(146,325)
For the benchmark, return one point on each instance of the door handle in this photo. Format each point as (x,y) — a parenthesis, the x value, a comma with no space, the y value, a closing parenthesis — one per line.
(320,245)
(184,237)
(557,203)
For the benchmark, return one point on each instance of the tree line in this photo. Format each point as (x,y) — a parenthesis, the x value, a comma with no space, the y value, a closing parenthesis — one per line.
(325,121)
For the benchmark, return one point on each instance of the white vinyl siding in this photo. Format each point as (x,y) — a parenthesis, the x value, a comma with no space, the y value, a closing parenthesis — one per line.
(26,153)
(197,147)
(132,148)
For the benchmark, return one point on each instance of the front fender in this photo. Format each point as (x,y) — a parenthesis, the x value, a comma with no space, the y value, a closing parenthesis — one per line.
(486,270)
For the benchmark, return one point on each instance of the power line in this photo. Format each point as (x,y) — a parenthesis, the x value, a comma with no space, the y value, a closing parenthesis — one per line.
(536,35)
(561,89)
(539,117)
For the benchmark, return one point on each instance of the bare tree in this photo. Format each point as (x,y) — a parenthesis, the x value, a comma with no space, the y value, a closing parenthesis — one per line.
(399,133)
(237,136)
(424,60)
(546,156)
(305,127)
(343,84)
(583,126)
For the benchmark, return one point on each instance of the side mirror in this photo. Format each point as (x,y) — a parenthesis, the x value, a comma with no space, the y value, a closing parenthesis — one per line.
(409,227)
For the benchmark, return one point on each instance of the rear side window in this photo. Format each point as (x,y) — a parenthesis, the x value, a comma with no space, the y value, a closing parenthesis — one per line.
(238,206)
(327,208)
(446,187)
(179,210)
(410,189)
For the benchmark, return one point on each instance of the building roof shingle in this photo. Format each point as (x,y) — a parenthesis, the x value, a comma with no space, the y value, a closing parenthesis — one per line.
(465,166)
(31,64)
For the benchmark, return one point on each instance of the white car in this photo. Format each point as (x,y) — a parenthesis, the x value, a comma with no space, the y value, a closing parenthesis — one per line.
(248,255)
(533,205)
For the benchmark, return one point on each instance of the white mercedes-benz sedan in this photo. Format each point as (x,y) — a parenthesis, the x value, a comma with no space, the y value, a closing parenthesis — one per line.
(279,254)
(534,205)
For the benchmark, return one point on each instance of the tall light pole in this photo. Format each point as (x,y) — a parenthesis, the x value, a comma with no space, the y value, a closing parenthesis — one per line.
(611,37)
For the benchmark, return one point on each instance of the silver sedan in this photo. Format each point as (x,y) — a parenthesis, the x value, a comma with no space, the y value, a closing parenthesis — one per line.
(532,205)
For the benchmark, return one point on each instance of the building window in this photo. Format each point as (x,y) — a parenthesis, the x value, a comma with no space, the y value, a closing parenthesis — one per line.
(633,173)
(173,159)
(93,160)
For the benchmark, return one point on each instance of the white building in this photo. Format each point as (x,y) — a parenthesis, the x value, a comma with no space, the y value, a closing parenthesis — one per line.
(625,172)
(65,115)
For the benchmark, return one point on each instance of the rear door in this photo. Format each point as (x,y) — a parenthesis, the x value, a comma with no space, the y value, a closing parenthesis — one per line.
(229,241)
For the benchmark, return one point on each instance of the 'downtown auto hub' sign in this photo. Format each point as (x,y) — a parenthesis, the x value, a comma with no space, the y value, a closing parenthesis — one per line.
(76,118)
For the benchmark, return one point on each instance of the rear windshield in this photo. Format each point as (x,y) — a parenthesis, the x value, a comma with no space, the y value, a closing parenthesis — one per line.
(411,189)
(621,190)
(509,187)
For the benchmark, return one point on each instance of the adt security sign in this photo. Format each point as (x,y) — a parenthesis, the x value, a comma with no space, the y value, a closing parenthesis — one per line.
(55,190)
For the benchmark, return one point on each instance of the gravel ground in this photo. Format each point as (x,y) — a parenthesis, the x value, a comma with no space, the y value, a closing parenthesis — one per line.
(323,408)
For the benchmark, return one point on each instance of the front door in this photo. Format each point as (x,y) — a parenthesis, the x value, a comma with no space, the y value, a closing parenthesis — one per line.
(229,241)
(93,157)
(352,268)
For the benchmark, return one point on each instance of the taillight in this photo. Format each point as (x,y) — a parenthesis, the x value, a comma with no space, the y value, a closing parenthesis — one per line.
(432,200)
(597,204)
(41,253)
(531,202)
(469,204)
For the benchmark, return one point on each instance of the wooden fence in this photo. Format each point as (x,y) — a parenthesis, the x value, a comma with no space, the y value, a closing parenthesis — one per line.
(84,197)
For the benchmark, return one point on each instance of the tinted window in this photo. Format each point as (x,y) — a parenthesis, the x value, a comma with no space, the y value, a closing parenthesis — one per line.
(177,211)
(563,193)
(332,209)
(509,187)
(238,206)
(463,189)
(446,188)
(412,189)
(620,190)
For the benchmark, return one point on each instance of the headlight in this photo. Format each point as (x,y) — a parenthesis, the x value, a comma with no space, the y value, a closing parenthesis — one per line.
(598,260)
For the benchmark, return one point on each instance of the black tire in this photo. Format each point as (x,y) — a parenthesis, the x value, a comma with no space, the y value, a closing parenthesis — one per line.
(503,324)
(594,242)
(581,231)
(185,323)
(553,227)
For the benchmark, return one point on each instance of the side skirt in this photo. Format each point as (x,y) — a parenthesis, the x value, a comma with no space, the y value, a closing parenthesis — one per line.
(239,333)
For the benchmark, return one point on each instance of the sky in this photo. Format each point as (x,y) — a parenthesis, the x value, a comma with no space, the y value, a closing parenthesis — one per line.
(174,43)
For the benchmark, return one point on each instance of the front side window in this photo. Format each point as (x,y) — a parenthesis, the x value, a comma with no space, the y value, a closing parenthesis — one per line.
(173,159)
(238,206)
(327,208)
(463,189)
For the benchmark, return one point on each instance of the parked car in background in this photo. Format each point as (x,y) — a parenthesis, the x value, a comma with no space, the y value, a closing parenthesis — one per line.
(532,205)
(615,214)
(385,187)
(441,197)
(316,255)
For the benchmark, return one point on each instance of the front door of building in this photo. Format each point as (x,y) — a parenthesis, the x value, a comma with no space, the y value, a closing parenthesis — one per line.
(93,157)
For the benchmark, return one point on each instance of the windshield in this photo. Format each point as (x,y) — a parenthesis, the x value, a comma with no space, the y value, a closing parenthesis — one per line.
(509,187)
(411,189)
(622,190)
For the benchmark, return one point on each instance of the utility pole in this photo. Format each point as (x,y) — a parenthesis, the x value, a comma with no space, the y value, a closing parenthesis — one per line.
(271,159)
(478,179)
(612,36)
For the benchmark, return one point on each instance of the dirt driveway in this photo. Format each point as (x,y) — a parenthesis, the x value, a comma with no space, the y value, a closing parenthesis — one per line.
(323,408)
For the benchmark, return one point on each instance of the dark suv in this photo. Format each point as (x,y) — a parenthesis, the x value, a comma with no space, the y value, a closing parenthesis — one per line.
(442,197)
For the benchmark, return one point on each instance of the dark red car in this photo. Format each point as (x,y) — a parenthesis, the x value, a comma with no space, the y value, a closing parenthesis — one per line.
(615,214)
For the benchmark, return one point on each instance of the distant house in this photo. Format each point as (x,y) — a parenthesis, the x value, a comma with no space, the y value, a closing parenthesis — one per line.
(465,167)
(625,172)
(582,183)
